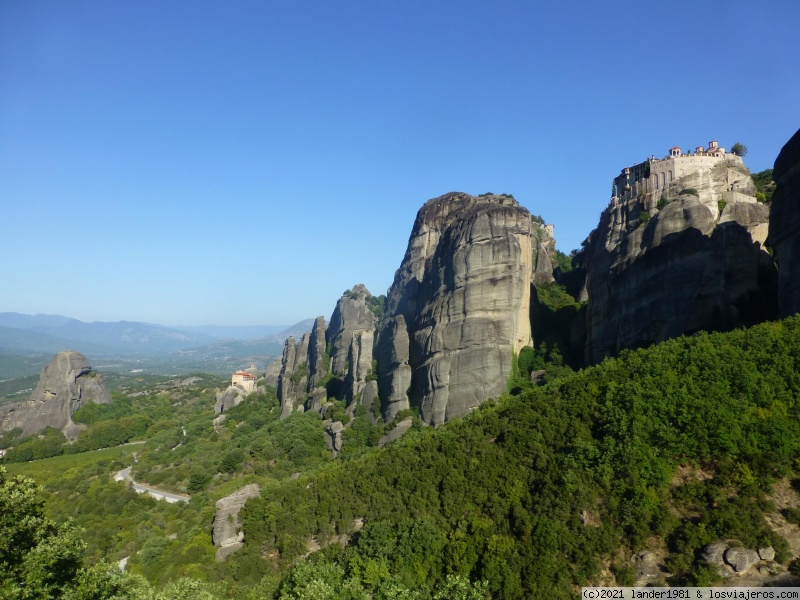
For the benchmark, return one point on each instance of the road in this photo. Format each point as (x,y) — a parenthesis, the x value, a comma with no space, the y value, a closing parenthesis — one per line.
(125,475)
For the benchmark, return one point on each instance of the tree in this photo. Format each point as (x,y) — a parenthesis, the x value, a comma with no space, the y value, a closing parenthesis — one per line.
(40,559)
(739,149)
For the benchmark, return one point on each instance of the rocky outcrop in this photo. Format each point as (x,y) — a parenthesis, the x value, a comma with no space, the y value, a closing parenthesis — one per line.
(350,337)
(682,258)
(226,534)
(730,558)
(458,307)
(228,398)
(784,225)
(242,383)
(287,385)
(334,440)
(65,385)
(544,253)
(395,434)
(272,374)
(317,358)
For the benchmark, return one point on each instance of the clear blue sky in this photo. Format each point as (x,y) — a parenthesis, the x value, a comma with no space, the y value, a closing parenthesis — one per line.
(191,162)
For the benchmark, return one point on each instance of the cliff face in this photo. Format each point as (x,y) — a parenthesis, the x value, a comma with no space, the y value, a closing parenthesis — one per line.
(66,384)
(332,361)
(784,225)
(351,338)
(685,257)
(458,307)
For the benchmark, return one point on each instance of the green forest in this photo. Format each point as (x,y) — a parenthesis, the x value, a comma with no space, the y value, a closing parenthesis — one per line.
(536,493)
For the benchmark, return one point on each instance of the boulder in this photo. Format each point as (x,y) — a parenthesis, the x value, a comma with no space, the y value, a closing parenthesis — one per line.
(784,225)
(741,559)
(767,553)
(66,384)
(714,555)
(226,534)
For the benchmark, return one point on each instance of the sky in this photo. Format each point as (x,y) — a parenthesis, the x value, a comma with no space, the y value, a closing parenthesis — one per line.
(245,162)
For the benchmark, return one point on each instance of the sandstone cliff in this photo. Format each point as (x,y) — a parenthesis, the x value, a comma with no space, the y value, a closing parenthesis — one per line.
(784,225)
(458,307)
(674,260)
(66,384)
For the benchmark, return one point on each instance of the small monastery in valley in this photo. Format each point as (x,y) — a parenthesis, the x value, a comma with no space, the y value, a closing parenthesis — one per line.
(246,379)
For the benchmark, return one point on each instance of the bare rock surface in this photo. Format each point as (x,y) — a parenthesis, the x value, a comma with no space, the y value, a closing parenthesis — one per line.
(648,568)
(333,437)
(286,389)
(459,305)
(784,225)
(741,559)
(66,384)
(228,398)
(273,371)
(350,337)
(396,433)
(226,534)
(316,353)
(678,259)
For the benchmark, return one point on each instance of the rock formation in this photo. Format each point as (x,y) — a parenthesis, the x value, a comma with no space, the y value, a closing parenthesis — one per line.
(65,385)
(674,259)
(333,437)
(228,398)
(330,362)
(242,383)
(273,372)
(351,337)
(226,535)
(729,557)
(784,225)
(302,368)
(458,307)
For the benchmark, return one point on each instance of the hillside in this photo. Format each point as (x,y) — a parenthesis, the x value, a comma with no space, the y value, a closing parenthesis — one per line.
(663,450)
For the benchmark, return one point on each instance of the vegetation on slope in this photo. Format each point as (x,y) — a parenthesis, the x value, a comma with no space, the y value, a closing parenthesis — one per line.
(536,493)
(672,447)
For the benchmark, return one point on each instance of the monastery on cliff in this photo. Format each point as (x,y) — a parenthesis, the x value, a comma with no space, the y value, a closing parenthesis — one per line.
(654,173)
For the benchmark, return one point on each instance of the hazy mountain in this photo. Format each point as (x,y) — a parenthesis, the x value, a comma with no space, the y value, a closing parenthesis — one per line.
(232,332)
(27,341)
(20,321)
(296,330)
(54,333)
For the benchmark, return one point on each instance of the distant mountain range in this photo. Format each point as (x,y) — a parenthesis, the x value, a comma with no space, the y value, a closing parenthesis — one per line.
(206,347)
